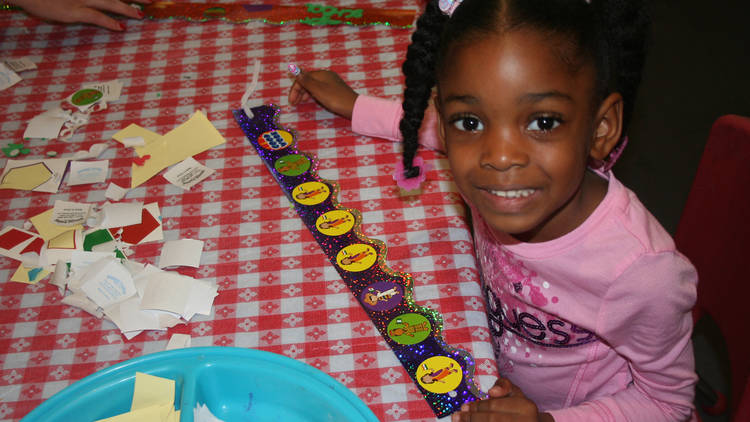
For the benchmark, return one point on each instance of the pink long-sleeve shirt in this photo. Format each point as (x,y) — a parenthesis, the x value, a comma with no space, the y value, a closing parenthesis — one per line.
(594,325)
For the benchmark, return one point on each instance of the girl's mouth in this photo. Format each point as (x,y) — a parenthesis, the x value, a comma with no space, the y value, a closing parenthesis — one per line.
(515,193)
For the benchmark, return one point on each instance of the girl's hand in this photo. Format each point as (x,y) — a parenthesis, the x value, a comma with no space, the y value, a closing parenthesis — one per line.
(82,11)
(327,88)
(507,403)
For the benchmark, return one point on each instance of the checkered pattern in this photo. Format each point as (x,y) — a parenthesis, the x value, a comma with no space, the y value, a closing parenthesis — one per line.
(277,290)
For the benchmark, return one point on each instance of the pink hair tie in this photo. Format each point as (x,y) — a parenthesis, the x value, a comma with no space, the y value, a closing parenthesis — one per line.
(448,6)
(414,182)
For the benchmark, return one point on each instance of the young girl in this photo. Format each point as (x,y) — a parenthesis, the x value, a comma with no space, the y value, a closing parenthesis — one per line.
(588,301)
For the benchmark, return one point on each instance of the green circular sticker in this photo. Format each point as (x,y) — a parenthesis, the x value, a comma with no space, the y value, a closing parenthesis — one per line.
(409,328)
(292,165)
(85,97)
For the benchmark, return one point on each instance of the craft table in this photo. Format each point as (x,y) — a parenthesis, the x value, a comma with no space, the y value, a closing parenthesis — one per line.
(277,291)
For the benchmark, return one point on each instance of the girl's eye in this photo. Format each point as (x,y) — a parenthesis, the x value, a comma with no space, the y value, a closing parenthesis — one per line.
(544,124)
(468,124)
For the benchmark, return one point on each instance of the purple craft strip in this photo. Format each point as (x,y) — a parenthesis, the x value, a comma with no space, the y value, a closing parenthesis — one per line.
(443,374)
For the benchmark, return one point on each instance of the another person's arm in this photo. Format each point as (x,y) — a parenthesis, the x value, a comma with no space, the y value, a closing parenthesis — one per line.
(81,11)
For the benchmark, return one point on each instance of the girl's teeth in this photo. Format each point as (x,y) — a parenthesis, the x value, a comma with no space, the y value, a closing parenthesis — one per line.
(521,193)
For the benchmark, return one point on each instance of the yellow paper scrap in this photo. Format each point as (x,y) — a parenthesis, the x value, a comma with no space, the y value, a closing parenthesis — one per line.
(156,413)
(24,274)
(151,390)
(65,240)
(190,138)
(48,230)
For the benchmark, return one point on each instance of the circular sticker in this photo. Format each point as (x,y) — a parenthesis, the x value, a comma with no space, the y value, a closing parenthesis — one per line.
(292,165)
(439,374)
(409,328)
(85,97)
(275,139)
(357,257)
(381,296)
(335,223)
(311,193)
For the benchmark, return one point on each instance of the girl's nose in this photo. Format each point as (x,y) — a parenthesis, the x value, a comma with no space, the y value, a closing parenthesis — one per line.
(503,150)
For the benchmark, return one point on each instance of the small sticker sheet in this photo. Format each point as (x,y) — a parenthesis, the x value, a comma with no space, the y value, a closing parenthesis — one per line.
(20,65)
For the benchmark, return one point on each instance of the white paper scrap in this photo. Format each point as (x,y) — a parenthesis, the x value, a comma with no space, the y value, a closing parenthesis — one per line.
(183,252)
(134,141)
(178,341)
(166,291)
(70,213)
(79,300)
(121,214)
(8,77)
(202,414)
(94,151)
(109,285)
(20,65)
(46,125)
(200,300)
(88,172)
(187,173)
(115,192)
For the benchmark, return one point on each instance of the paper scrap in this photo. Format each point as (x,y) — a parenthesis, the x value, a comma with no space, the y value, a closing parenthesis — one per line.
(68,215)
(21,245)
(172,292)
(108,284)
(178,341)
(133,131)
(134,141)
(29,275)
(79,300)
(183,252)
(187,173)
(8,77)
(49,229)
(151,390)
(148,230)
(80,263)
(120,214)
(153,401)
(88,172)
(190,138)
(115,192)
(202,414)
(20,65)
(94,151)
(36,175)
(46,125)
(62,247)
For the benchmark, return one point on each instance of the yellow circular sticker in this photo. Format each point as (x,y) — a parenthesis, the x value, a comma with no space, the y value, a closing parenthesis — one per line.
(335,223)
(275,139)
(439,374)
(311,193)
(357,257)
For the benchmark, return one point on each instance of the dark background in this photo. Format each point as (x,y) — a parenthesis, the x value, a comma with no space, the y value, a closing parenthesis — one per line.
(698,69)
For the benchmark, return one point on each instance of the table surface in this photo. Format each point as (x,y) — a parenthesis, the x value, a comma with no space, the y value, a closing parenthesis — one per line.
(277,290)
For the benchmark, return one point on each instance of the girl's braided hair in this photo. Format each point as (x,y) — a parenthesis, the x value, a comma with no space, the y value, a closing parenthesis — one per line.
(611,34)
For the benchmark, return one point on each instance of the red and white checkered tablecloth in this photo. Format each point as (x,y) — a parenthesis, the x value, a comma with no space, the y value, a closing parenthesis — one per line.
(277,290)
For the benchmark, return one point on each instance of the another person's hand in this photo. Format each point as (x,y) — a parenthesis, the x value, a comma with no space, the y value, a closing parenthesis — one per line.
(327,88)
(506,403)
(81,11)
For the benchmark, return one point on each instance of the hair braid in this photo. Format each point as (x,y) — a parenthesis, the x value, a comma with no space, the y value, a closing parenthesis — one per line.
(419,78)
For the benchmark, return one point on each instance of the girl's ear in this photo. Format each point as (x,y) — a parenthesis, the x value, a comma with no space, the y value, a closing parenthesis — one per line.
(607,127)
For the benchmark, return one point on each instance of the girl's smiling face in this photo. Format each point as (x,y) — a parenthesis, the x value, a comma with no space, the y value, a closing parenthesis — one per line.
(519,124)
